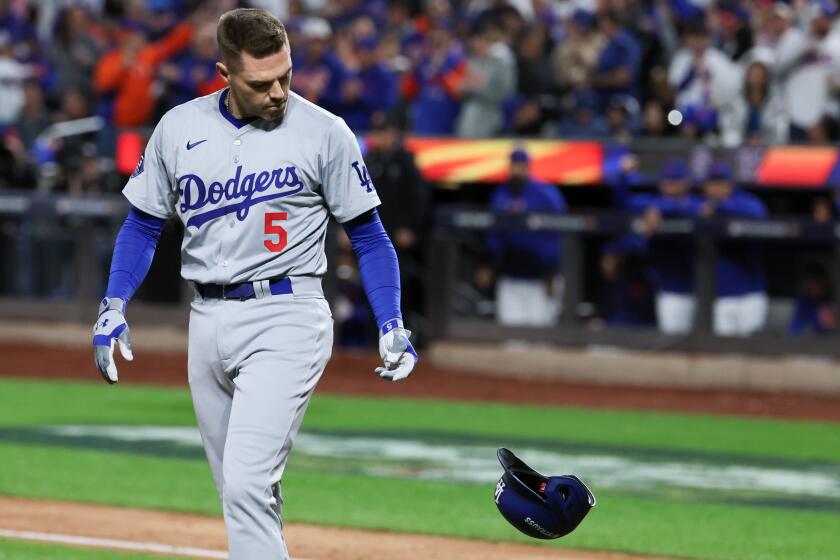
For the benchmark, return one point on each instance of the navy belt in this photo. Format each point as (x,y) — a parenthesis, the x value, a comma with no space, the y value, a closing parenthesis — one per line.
(245,290)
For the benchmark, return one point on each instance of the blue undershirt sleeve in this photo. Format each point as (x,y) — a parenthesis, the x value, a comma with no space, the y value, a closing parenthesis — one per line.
(378,266)
(133,252)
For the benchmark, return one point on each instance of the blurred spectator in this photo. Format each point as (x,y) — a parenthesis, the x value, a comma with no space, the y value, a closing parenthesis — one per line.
(126,75)
(741,305)
(433,87)
(13,75)
(16,29)
(733,24)
(671,258)
(315,66)
(806,64)
(527,264)
(622,117)
(534,105)
(653,120)
(87,176)
(705,80)
(405,210)
(366,88)
(490,79)
(34,118)
(617,70)
(575,58)
(193,73)
(814,310)
(582,118)
(16,170)
(72,150)
(758,115)
(75,51)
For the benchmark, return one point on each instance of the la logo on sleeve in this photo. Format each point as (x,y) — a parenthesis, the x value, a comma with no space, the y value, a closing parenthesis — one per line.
(364,176)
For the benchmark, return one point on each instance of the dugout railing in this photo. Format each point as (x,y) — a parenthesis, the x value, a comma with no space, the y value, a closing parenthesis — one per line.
(457,228)
(55,252)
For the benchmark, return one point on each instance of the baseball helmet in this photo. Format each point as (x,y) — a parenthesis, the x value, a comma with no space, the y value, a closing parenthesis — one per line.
(541,507)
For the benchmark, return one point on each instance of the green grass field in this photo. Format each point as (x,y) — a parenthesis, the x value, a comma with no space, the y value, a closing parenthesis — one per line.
(670,484)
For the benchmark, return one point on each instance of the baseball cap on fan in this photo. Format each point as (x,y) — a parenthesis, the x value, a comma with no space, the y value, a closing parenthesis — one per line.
(316,28)
(719,171)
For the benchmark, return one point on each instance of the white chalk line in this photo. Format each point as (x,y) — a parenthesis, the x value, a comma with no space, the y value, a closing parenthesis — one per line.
(135,546)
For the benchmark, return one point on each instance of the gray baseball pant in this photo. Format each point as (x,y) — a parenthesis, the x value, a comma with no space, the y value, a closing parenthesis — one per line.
(253,366)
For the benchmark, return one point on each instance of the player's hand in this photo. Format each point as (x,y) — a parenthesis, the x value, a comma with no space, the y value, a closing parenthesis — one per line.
(110,328)
(396,351)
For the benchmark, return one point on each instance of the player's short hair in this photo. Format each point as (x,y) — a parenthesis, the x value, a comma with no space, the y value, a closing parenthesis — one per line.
(256,32)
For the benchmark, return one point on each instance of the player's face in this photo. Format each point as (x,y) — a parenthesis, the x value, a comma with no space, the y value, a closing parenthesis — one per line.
(519,171)
(674,188)
(718,190)
(260,86)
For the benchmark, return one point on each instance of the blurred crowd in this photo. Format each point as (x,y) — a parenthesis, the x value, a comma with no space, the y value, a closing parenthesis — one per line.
(728,72)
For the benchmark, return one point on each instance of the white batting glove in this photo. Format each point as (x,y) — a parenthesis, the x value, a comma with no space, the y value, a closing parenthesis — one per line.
(110,328)
(396,351)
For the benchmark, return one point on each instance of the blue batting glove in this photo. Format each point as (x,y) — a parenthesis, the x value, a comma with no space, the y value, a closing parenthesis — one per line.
(396,351)
(110,328)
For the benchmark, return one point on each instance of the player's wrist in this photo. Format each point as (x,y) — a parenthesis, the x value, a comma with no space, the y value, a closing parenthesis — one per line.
(112,304)
(389,325)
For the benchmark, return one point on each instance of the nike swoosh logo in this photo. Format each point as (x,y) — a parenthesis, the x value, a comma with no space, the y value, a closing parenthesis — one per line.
(193,145)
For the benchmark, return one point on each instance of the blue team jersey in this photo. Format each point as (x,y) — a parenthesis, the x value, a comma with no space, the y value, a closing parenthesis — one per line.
(672,258)
(435,109)
(740,269)
(622,51)
(525,254)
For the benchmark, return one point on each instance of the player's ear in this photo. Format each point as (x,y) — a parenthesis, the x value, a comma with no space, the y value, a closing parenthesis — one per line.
(223,72)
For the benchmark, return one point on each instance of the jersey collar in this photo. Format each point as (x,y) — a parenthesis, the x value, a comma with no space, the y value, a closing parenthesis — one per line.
(238,123)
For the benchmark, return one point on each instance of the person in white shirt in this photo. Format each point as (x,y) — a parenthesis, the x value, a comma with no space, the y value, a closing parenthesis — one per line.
(702,76)
(806,63)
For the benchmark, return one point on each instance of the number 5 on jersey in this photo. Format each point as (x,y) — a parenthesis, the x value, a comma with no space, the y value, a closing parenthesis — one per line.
(272,228)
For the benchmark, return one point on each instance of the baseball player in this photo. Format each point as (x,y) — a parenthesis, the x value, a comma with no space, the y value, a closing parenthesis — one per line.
(672,259)
(254,173)
(741,304)
(529,289)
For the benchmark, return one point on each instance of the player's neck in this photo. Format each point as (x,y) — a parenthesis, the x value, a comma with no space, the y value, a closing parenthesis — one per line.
(232,106)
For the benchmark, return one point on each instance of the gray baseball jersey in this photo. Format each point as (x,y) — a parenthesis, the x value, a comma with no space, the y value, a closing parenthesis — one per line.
(254,197)
(255,200)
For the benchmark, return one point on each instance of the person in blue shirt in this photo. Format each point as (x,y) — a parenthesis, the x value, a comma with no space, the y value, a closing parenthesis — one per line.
(368,92)
(617,70)
(671,259)
(317,68)
(527,264)
(741,305)
(433,87)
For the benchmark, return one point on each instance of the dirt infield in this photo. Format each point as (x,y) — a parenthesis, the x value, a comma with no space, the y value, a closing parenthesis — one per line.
(306,542)
(352,373)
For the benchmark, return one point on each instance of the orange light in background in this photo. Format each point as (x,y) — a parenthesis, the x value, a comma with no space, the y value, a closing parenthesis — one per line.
(796,166)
